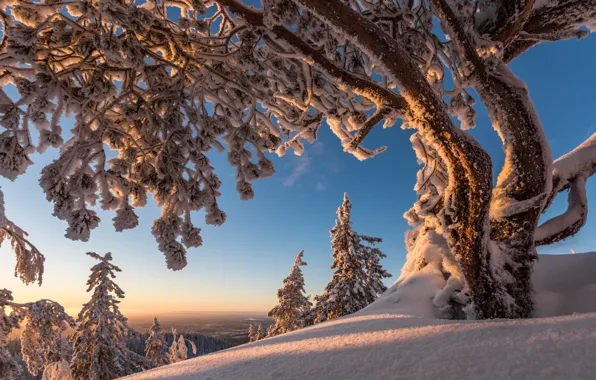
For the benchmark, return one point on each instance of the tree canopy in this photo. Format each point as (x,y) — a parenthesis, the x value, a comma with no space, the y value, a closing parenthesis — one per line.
(163,88)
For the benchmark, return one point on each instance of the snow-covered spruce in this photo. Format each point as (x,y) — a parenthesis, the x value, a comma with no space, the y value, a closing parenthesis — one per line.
(163,91)
(43,346)
(293,308)
(260,333)
(178,350)
(251,332)
(156,347)
(358,277)
(99,341)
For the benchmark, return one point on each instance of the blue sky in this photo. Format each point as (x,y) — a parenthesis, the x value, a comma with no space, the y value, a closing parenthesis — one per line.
(241,264)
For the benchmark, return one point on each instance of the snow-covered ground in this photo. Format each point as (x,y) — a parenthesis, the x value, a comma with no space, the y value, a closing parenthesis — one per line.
(391,340)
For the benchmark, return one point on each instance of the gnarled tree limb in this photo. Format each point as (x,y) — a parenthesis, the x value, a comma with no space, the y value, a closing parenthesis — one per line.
(569,172)
(553,18)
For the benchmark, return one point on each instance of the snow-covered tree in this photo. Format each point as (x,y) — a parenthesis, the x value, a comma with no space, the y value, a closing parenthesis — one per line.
(99,341)
(375,273)
(9,368)
(156,347)
(178,350)
(293,305)
(252,333)
(29,263)
(358,275)
(43,346)
(164,90)
(260,333)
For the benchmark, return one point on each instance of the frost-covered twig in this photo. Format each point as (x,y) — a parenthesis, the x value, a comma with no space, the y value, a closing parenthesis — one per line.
(29,265)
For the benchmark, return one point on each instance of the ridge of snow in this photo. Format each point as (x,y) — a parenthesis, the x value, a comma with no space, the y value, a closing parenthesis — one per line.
(375,344)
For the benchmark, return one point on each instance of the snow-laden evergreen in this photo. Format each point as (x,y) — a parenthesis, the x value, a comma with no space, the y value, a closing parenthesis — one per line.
(178,350)
(9,369)
(259,334)
(156,347)
(252,333)
(255,333)
(357,280)
(293,305)
(42,325)
(99,342)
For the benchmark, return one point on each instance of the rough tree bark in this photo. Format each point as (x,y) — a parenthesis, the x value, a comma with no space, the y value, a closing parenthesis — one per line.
(524,181)
(469,166)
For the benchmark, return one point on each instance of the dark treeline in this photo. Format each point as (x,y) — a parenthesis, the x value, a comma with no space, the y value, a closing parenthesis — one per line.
(205,345)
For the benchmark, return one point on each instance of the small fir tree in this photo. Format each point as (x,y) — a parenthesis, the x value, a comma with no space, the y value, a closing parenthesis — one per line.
(357,280)
(178,350)
(260,333)
(252,333)
(375,273)
(99,341)
(293,307)
(156,347)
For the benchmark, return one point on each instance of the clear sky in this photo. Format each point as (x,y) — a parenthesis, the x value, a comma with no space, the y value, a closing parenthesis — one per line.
(241,264)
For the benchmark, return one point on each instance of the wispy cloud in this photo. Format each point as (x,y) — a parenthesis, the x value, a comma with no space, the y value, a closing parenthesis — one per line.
(301,167)
(302,164)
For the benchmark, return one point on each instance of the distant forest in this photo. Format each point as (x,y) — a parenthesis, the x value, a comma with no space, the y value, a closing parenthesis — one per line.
(205,345)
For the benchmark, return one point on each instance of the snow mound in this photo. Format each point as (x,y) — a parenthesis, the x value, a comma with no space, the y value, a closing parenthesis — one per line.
(378,344)
(563,284)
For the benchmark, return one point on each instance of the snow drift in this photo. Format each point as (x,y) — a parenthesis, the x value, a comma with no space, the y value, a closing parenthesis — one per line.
(395,339)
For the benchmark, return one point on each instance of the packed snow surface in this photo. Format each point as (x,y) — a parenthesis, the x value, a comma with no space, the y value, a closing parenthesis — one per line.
(377,343)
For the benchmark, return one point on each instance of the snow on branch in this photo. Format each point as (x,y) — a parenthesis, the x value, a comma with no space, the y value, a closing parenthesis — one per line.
(162,92)
(552,20)
(570,171)
(29,261)
(42,325)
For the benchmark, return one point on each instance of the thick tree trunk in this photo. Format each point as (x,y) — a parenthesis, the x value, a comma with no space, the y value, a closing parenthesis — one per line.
(524,181)
(522,186)
(469,166)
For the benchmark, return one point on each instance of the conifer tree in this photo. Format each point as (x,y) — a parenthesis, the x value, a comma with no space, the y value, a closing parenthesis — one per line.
(99,341)
(9,368)
(356,281)
(178,350)
(42,324)
(293,306)
(252,333)
(156,347)
(259,334)
(375,273)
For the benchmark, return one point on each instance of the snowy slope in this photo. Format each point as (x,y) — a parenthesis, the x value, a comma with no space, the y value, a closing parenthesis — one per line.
(565,284)
(377,344)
